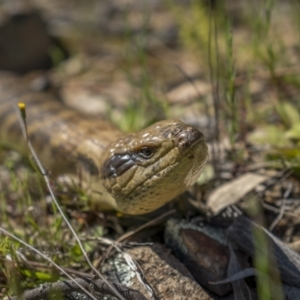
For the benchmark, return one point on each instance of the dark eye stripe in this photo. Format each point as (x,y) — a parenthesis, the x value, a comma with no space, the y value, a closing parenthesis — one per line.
(117,165)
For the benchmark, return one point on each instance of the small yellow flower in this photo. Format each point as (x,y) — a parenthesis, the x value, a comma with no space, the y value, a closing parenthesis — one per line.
(22,107)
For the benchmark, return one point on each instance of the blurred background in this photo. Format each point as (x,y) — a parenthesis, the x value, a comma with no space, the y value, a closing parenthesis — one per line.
(231,68)
(228,67)
(225,66)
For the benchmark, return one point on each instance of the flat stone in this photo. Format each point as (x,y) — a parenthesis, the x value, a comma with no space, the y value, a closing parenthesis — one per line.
(163,275)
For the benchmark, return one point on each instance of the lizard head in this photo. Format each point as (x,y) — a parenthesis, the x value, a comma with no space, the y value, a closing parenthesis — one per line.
(147,169)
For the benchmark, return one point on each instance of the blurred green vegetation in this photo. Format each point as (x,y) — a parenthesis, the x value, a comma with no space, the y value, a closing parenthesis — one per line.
(210,32)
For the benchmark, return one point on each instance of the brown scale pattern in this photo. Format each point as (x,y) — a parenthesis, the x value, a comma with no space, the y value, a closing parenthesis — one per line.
(135,173)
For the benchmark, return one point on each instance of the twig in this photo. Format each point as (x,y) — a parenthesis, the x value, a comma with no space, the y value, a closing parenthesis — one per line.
(275,209)
(282,175)
(130,233)
(282,208)
(40,266)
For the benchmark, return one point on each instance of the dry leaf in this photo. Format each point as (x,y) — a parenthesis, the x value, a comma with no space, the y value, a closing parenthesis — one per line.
(230,193)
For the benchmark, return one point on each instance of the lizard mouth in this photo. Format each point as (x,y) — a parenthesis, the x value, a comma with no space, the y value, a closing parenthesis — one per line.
(188,138)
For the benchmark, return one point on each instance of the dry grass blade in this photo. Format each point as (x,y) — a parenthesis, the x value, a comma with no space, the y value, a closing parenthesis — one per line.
(5,232)
(237,276)
(287,260)
(240,288)
(22,120)
(66,287)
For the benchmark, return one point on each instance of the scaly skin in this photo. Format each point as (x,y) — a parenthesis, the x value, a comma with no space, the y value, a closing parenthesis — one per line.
(133,174)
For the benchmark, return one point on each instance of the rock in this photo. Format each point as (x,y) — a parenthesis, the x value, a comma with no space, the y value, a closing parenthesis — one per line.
(161,273)
(203,250)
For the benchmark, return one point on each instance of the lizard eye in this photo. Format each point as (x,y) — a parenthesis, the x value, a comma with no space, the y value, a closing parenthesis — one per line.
(146,152)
